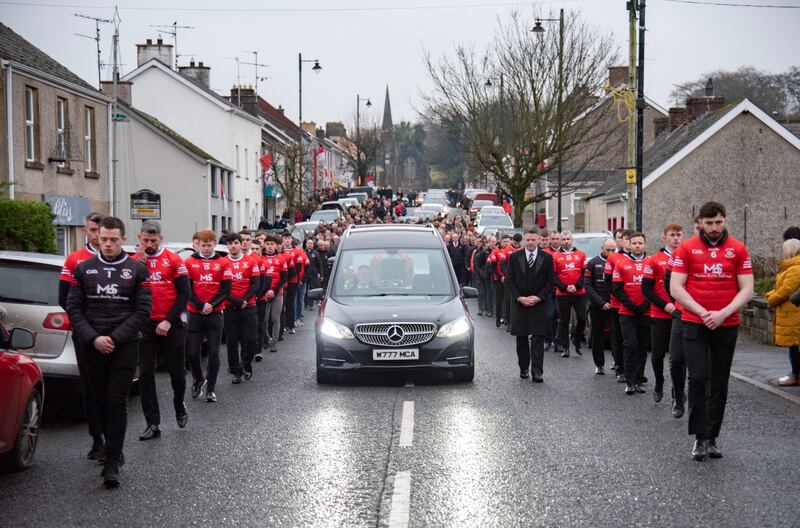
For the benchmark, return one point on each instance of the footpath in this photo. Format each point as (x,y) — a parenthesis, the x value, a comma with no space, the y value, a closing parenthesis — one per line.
(761,365)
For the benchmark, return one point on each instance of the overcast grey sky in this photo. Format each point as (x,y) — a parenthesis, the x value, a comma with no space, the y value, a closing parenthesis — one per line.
(363,46)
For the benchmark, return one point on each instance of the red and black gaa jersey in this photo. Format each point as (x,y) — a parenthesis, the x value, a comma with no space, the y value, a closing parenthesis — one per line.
(162,267)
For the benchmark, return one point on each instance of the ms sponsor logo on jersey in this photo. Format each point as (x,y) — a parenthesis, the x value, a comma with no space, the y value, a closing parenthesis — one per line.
(107,289)
(207,277)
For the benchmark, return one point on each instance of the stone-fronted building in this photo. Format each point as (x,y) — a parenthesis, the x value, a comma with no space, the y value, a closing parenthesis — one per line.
(54,129)
(737,155)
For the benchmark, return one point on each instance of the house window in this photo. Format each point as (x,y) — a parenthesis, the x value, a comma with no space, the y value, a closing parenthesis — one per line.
(214,223)
(229,188)
(62,240)
(61,130)
(31,115)
(246,166)
(238,173)
(88,139)
(224,224)
(214,181)
(578,203)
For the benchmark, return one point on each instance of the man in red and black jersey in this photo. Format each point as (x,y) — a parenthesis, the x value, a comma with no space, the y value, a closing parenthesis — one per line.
(712,279)
(274,266)
(290,295)
(91,228)
(570,294)
(240,315)
(661,305)
(164,334)
(496,262)
(622,239)
(599,302)
(633,312)
(552,249)
(302,261)
(210,279)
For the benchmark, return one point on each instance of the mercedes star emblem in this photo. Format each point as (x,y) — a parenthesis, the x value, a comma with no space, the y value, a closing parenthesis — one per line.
(395,334)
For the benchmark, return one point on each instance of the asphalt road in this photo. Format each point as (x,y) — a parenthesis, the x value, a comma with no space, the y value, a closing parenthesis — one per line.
(282,451)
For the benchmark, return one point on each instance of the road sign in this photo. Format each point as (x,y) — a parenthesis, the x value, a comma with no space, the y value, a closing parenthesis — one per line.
(145,205)
(630,175)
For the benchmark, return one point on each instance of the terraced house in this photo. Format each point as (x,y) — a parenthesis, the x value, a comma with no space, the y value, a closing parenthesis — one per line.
(54,129)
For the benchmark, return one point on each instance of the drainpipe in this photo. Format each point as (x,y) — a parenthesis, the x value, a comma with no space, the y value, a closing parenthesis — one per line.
(10,127)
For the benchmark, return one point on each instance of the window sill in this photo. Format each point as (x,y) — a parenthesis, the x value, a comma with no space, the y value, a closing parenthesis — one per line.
(65,170)
(214,195)
(92,175)
(34,165)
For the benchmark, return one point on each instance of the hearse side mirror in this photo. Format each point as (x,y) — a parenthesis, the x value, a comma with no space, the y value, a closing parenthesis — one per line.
(468,292)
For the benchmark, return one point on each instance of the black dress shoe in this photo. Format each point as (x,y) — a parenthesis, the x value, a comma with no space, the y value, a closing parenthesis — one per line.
(565,353)
(677,407)
(699,451)
(497,323)
(578,350)
(111,478)
(182,417)
(152,431)
(629,390)
(523,373)
(537,378)
(236,380)
(599,371)
(621,378)
(96,453)
(713,450)
(643,380)
(639,389)
(658,392)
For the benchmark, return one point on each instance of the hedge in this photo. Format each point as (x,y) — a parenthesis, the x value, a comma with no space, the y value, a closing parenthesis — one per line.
(26,226)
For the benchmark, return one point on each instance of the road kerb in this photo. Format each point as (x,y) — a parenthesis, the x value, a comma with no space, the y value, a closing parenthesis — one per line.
(763,386)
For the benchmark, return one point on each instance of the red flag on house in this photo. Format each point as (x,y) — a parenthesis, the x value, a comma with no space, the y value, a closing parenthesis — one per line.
(266,161)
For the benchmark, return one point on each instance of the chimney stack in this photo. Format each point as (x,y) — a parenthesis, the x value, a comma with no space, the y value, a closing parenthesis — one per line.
(660,124)
(123,90)
(617,75)
(198,72)
(159,50)
(677,117)
(698,106)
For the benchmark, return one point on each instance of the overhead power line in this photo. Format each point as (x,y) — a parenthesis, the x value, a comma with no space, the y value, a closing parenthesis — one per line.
(291,9)
(731,4)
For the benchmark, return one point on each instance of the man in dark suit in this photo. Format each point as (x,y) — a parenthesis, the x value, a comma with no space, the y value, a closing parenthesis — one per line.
(529,282)
(457,252)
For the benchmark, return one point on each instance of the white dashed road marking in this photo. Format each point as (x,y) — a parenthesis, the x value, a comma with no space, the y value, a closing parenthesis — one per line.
(400,497)
(407,425)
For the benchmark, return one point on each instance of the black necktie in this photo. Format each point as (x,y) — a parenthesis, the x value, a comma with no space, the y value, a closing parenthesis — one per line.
(530,260)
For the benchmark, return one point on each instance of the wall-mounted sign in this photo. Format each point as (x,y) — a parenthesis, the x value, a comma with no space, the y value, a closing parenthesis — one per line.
(145,205)
(68,210)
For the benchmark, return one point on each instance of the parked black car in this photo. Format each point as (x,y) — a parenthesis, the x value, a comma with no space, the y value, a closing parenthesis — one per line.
(393,304)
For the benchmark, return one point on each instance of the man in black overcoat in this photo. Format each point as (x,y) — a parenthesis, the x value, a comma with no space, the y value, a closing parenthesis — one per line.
(529,283)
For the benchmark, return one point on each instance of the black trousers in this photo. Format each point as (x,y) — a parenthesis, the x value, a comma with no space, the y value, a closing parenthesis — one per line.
(209,327)
(461,274)
(287,316)
(530,353)
(600,319)
(677,359)
(241,338)
(261,311)
(87,395)
(617,351)
(565,305)
(111,377)
(499,301)
(635,335)
(660,330)
(172,347)
(709,354)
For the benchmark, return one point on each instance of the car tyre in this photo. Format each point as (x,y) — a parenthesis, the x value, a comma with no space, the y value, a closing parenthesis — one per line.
(21,456)
(465,375)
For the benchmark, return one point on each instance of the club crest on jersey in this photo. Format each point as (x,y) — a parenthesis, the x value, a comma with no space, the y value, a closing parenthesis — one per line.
(126,274)
(165,262)
(729,253)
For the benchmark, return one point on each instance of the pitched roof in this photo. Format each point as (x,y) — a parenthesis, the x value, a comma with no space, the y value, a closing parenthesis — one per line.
(192,83)
(614,184)
(794,128)
(15,48)
(278,118)
(675,146)
(167,131)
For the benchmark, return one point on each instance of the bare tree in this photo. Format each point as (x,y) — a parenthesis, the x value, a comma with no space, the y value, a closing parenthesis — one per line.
(364,148)
(290,163)
(538,119)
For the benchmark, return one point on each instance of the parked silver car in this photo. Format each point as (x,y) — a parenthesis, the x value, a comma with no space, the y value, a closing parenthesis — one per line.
(29,299)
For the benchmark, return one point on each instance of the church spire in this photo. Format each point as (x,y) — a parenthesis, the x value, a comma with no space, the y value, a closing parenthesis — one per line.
(387,112)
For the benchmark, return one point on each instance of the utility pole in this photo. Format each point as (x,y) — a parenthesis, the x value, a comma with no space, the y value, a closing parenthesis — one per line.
(558,102)
(630,172)
(640,121)
(115,78)
(96,38)
(175,27)
(257,65)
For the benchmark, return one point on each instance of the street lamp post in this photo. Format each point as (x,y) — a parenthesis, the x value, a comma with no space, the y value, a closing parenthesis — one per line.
(316,69)
(367,103)
(539,30)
